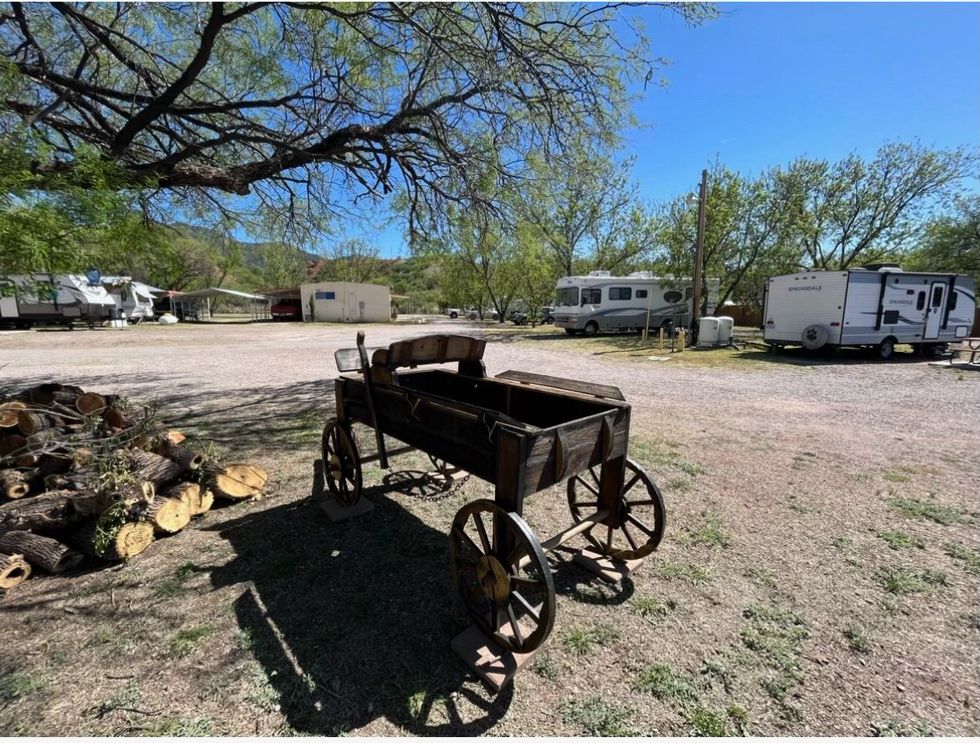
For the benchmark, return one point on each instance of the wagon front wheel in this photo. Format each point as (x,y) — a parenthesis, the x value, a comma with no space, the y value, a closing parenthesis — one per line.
(636,527)
(341,462)
(502,576)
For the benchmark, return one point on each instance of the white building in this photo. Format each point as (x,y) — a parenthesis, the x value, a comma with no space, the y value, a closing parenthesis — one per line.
(341,301)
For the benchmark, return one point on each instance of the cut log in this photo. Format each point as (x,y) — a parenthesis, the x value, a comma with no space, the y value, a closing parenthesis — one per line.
(207,501)
(9,411)
(153,468)
(169,515)
(117,416)
(44,552)
(31,421)
(235,481)
(184,456)
(189,492)
(119,542)
(54,464)
(13,484)
(13,571)
(133,498)
(44,511)
(52,392)
(12,442)
(90,403)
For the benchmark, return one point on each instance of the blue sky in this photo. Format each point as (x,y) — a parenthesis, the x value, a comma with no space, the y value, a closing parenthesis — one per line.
(767,82)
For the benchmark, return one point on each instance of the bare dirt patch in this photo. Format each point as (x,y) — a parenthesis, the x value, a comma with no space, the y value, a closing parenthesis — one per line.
(818,575)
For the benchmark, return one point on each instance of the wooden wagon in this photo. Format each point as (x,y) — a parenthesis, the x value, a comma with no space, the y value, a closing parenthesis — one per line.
(521,432)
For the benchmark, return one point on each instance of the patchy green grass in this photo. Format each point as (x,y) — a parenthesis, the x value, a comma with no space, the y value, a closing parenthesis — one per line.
(598,717)
(545,666)
(173,586)
(650,608)
(181,727)
(581,641)
(900,580)
(184,642)
(693,574)
(680,485)
(707,722)
(18,683)
(970,558)
(725,664)
(665,683)
(929,511)
(710,533)
(894,729)
(761,577)
(898,539)
(262,692)
(856,639)
(896,476)
(776,634)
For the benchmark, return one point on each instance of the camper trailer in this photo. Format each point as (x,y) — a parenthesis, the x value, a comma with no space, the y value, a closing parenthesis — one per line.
(874,306)
(52,299)
(133,299)
(600,301)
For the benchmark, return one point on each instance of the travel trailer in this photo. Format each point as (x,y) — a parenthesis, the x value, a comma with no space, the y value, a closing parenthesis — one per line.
(877,306)
(52,299)
(600,301)
(133,299)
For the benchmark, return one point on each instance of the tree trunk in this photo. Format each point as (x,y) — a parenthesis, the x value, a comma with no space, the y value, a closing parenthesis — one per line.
(169,515)
(44,552)
(12,442)
(116,543)
(52,392)
(44,511)
(9,412)
(90,403)
(154,468)
(189,492)
(207,501)
(13,484)
(129,497)
(186,457)
(13,571)
(235,481)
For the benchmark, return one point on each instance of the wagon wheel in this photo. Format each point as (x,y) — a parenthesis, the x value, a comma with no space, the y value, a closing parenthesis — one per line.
(638,525)
(444,474)
(511,598)
(341,463)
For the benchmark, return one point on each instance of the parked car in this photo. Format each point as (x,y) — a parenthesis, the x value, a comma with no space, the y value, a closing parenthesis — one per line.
(547,315)
(454,312)
(287,310)
(518,317)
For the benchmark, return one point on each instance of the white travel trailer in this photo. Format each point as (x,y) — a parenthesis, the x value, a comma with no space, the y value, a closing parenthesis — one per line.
(600,301)
(133,299)
(52,299)
(876,305)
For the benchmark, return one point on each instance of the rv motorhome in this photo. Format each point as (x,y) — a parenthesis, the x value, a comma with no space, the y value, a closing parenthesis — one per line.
(133,299)
(876,305)
(600,301)
(52,299)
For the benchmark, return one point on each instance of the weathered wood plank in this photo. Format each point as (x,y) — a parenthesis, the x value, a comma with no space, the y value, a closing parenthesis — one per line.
(570,385)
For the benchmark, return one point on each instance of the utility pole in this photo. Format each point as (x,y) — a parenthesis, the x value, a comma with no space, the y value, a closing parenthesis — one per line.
(699,257)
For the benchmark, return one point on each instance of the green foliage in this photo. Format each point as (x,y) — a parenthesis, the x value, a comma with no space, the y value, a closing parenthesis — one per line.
(16,683)
(710,533)
(581,641)
(776,635)
(856,639)
(665,683)
(650,608)
(900,580)
(950,242)
(897,539)
(897,729)
(184,642)
(693,574)
(969,557)
(928,511)
(598,717)
(545,666)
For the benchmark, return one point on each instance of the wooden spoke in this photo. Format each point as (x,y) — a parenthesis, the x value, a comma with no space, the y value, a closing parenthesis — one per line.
(619,542)
(493,590)
(341,463)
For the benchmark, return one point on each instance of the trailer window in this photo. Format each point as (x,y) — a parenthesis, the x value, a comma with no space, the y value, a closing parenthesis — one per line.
(673,297)
(591,296)
(567,297)
(641,293)
(920,303)
(952,300)
(620,292)
(937,295)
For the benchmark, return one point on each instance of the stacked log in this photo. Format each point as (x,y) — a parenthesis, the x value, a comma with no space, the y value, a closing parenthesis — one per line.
(88,475)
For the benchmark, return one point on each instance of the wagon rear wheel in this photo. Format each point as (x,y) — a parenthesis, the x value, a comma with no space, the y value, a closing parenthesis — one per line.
(510,597)
(341,462)
(637,526)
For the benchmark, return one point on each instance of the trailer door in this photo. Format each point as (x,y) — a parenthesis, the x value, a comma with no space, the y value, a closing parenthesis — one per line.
(937,300)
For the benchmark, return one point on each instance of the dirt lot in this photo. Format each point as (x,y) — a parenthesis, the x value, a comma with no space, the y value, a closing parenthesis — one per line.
(819,575)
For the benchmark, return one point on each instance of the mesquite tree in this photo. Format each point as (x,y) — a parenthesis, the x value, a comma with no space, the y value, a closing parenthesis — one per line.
(307,107)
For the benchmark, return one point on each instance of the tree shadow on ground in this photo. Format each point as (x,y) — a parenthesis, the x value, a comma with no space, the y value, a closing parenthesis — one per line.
(352,621)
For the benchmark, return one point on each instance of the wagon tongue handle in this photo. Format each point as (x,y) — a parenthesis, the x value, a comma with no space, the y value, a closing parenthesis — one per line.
(369,385)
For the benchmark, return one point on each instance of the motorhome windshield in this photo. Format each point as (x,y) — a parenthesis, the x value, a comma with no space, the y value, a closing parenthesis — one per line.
(568,297)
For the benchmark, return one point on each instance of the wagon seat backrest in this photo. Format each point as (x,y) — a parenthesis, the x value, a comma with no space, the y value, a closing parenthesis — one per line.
(429,349)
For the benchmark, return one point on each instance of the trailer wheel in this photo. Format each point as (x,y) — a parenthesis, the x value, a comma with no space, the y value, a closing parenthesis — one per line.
(591,328)
(453,315)
(341,462)
(886,349)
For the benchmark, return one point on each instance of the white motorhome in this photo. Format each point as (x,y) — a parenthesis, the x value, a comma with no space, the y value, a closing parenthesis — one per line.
(52,299)
(876,305)
(600,301)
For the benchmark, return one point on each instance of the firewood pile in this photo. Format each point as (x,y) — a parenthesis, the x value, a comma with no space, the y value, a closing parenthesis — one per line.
(85,476)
